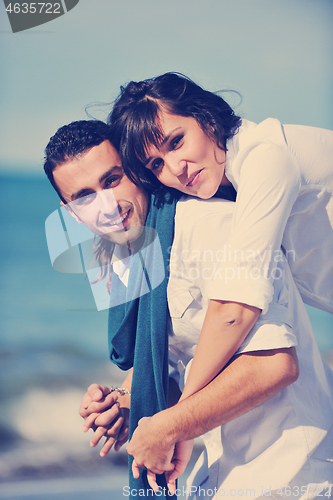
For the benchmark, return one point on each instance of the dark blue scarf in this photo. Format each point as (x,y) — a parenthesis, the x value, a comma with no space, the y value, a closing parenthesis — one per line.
(138,328)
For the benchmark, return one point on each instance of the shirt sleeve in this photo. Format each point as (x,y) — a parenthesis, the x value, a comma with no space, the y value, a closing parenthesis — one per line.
(271,331)
(269,182)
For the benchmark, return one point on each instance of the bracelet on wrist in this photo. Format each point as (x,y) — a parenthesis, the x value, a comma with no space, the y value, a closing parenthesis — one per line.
(121,390)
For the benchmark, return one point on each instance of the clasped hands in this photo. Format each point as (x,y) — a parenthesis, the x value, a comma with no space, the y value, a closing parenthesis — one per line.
(107,414)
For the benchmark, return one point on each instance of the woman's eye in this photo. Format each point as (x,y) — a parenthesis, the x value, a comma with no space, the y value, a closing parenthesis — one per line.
(176,142)
(156,164)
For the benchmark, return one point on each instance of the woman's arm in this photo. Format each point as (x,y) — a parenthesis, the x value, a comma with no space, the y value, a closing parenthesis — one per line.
(268,181)
(225,327)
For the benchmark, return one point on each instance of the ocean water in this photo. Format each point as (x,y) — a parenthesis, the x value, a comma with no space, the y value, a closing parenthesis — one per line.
(53,344)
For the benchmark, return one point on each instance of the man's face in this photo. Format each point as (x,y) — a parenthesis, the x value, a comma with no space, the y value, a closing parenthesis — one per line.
(99,194)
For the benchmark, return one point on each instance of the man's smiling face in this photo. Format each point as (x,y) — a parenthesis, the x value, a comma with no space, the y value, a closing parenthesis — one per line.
(99,194)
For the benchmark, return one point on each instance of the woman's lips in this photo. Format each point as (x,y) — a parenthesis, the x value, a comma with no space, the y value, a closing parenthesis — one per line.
(194,179)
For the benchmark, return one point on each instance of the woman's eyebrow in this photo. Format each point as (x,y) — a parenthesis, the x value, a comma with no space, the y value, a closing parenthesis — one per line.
(165,140)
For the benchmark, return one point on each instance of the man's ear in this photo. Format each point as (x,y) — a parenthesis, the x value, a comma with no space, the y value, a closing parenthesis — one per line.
(70,211)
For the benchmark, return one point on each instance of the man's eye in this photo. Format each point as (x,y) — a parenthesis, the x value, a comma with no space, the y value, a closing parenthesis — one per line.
(156,164)
(176,142)
(112,181)
(85,200)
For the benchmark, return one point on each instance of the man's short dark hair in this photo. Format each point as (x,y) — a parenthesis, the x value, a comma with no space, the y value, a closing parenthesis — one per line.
(71,141)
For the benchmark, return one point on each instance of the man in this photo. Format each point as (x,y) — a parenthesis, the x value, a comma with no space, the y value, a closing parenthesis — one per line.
(248,382)
(82,180)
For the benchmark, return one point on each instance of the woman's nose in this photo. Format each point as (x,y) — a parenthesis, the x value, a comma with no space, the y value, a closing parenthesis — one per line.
(176,166)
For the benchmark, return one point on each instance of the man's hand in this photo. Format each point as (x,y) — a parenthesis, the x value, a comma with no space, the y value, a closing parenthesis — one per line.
(101,411)
(116,429)
(97,399)
(148,448)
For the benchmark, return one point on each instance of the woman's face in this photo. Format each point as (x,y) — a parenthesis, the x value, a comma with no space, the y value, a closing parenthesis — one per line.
(187,159)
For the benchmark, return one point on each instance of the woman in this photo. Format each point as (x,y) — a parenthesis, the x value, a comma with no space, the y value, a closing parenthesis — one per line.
(172,131)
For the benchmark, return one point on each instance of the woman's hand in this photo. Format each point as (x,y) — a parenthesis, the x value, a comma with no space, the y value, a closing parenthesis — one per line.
(148,448)
(116,429)
(180,459)
(101,411)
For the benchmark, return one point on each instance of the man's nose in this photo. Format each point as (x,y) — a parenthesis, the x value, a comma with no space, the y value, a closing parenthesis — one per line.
(106,201)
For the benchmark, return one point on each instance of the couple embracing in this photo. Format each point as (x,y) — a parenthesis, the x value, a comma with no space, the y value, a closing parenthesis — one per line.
(246,374)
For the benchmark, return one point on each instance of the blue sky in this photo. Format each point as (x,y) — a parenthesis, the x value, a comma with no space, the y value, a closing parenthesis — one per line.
(276,53)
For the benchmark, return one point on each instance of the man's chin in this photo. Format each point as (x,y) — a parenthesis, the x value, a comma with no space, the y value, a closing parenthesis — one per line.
(125,236)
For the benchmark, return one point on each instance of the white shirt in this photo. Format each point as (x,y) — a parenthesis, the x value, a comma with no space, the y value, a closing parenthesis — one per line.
(283,175)
(268,446)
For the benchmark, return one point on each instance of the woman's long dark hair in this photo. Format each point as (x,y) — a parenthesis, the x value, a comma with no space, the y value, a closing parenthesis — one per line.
(135,124)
